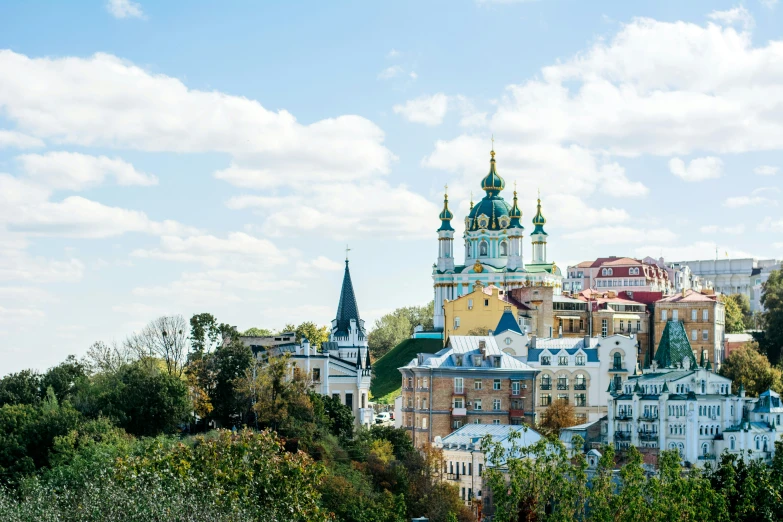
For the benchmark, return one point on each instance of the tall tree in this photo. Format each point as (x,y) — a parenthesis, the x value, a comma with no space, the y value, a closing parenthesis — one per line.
(316,335)
(20,388)
(747,367)
(772,317)
(64,377)
(165,338)
(734,320)
(559,414)
(394,327)
(257,332)
(223,370)
(103,357)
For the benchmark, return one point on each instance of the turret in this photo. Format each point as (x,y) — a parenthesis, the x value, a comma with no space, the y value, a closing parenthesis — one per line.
(538,236)
(445,237)
(515,230)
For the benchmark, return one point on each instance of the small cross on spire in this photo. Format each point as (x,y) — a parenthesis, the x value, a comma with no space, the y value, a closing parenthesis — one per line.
(493,141)
(346,252)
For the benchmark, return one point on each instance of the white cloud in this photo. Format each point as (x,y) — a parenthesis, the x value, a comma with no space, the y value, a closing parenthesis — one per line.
(124,9)
(715,229)
(237,249)
(75,171)
(615,183)
(319,264)
(342,210)
(18,140)
(754,199)
(429,110)
(621,235)
(17,266)
(14,316)
(394,53)
(770,224)
(696,250)
(130,108)
(769,4)
(766,170)
(737,15)
(699,169)
(391,72)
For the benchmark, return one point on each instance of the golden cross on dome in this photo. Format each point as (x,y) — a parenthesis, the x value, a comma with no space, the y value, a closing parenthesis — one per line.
(493,141)
(446,188)
(346,252)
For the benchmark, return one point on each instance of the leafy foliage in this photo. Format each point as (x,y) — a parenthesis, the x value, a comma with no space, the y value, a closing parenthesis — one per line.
(559,414)
(735,319)
(316,335)
(746,367)
(772,317)
(393,328)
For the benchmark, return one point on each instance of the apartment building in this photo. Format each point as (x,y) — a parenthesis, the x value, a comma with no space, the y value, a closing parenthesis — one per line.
(703,318)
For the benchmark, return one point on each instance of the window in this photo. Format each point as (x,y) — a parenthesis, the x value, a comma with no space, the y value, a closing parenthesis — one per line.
(483,248)
(477,404)
(496,421)
(424,403)
(496,384)
(477,384)
(503,248)
(486,302)
(458,385)
(546,399)
(562,397)
(546,382)
(496,404)
(349,400)
(496,362)
(604,327)
(562,360)
(410,382)
(477,362)
(622,325)
(456,424)
(580,399)
(470,304)
(456,323)
(459,402)
(546,360)
(424,422)
(425,382)
(580,383)
(693,314)
(316,375)
(694,335)
(732,443)
(705,335)
(562,382)
(663,315)
(515,387)
(705,315)
(617,362)
(580,360)
(638,326)
(675,315)
(336,396)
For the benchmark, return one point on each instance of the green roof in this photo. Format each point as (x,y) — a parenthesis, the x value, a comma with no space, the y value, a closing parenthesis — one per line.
(674,347)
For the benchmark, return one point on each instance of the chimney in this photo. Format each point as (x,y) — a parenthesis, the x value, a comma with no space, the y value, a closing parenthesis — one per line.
(587,341)
(483,348)
(560,331)
(533,341)
(306,347)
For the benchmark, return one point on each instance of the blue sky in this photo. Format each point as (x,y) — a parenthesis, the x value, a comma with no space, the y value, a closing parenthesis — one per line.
(181,157)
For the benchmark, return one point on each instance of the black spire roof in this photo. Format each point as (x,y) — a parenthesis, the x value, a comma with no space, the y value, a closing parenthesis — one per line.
(347,309)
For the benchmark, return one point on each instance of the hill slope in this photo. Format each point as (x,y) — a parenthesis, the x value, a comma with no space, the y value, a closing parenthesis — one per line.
(386,377)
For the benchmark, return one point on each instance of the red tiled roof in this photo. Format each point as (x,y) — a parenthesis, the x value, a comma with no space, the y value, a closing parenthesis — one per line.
(690,296)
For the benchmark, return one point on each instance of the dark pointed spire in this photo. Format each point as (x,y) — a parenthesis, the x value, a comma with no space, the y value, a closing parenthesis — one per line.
(347,309)
(367,363)
(358,357)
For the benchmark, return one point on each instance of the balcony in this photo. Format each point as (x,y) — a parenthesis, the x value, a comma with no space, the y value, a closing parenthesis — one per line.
(452,476)
(648,435)
(649,418)
(580,386)
(546,386)
(561,386)
(623,416)
(516,413)
(622,435)
(516,394)
(458,391)
(459,412)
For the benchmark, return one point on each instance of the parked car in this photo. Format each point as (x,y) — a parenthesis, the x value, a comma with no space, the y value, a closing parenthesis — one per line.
(383,417)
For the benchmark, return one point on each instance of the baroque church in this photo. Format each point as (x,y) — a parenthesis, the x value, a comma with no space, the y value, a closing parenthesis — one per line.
(493,248)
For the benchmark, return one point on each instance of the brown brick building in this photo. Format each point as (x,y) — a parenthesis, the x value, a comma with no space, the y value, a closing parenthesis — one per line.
(702,316)
(469,381)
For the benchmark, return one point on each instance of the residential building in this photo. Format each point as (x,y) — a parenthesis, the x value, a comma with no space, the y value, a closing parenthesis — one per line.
(736,276)
(735,341)
(470,381)
(579,371)
(493,248)
(702,316)
(617,274)
(341,367)
(683,405)
(463,458)
(478,312)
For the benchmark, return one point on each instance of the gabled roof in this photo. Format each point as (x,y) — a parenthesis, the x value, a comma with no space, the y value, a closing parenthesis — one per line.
(674,346)
(347,309)
(468,346)
(689,296)
(507,322)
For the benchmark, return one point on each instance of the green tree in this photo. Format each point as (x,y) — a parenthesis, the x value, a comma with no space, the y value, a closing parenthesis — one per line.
(744,305)
(257,332)
(393,328)
(735,321)
(316,335)
(772,317)
(20,388)
(223,371)
(64,377)
(747,367)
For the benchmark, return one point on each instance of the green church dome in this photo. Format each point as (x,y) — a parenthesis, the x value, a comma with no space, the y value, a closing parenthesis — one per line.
(492,212)
(445,216)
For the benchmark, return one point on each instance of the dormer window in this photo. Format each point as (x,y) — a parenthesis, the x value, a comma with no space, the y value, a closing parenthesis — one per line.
(476,360)
(546,360)
(496,362)
(459,360)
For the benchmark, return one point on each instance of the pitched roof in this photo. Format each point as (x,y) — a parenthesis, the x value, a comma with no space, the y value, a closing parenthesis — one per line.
(674,346)
(347,309)
(468,346)
(507,322)
(689,296)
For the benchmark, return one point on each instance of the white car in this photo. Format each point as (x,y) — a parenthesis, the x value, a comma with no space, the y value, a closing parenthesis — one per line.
(383,418)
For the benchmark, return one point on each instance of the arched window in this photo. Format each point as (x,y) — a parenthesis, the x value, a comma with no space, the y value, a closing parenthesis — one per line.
(765,443)
(546,382)
(618,361)
(503,248)
(483,246)
(732,444)
(705,449)
(758,443)
(580,382)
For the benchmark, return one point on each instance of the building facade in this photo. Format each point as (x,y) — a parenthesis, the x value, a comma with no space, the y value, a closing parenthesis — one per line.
(736,276)
(579,371)
(478,312)
(493,250)
(341,367)
(679,404)
(470,381)
(703,318)
(618,274)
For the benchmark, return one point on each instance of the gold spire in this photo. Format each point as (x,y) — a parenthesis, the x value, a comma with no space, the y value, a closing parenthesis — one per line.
(492,152)
(471,199)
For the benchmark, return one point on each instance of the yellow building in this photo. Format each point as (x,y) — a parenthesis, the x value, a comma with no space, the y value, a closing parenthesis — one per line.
(477,312)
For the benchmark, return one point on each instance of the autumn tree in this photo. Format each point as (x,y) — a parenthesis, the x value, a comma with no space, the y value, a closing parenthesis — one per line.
(316,335)
(747,367)
(559,414)
(734,320)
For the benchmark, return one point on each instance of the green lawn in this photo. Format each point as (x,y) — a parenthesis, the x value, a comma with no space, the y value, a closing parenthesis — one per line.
(386,378)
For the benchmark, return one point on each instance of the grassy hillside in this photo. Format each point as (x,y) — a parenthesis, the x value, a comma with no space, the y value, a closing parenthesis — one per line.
(386,378)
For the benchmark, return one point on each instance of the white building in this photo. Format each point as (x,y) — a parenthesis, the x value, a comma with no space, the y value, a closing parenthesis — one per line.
(463,459)
(580,370)
(678,404)
(341,369)
(736,276)
(493,248)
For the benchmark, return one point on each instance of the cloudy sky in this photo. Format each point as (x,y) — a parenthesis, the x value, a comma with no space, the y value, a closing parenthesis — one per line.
(184,157)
